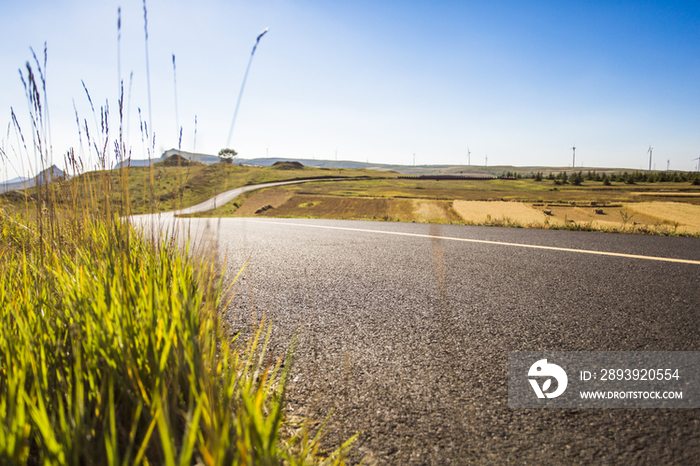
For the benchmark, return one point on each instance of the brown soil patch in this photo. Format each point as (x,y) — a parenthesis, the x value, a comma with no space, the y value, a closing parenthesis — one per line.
(336,207)
(260,199)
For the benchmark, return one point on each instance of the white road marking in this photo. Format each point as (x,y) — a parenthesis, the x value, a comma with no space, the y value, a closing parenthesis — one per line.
(482,241)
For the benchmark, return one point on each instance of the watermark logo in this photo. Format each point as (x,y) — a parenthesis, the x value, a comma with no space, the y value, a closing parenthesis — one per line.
(543,369)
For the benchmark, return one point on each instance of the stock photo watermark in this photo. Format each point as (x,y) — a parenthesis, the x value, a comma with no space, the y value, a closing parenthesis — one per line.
(604,379)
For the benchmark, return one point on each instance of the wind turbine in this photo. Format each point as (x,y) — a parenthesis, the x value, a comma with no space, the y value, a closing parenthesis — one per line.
(668,163)
(573,164)
(651,149)
(698,159)
(469,157)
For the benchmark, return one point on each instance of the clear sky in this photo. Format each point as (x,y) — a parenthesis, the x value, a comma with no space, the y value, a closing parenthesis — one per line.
(519,81)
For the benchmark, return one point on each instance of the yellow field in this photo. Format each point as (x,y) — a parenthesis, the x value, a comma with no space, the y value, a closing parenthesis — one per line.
(498,211)
(429,211)
(655,216)
(609,219)
(686,215)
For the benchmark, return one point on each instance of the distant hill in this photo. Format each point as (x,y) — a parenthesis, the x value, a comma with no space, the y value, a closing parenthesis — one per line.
(190,156)
(287,166)
(44,177)
(266,162)
(474,170)
(201,158)
(17,179)
(176,160)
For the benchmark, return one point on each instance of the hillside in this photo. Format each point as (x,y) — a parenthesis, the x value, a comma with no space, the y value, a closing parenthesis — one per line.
(45,176)
(190,156)
(175,183)
(494,170)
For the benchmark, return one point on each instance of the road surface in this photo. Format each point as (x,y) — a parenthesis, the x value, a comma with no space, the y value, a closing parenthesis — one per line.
(404,332)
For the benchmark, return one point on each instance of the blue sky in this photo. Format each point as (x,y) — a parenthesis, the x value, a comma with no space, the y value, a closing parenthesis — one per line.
(521,82)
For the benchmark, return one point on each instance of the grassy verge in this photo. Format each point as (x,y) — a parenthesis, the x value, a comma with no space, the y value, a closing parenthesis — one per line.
(113,351)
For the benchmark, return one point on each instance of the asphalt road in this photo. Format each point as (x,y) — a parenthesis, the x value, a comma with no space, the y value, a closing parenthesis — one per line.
(405,337)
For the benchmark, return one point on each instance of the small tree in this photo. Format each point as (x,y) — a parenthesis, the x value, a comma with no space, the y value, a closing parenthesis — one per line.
(576,178)
(227,155)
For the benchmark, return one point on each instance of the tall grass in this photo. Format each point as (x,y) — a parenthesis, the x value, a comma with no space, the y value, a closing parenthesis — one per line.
(113,350)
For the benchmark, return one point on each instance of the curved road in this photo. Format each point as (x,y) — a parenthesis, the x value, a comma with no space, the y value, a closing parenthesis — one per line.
(216,201)
(404,332)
